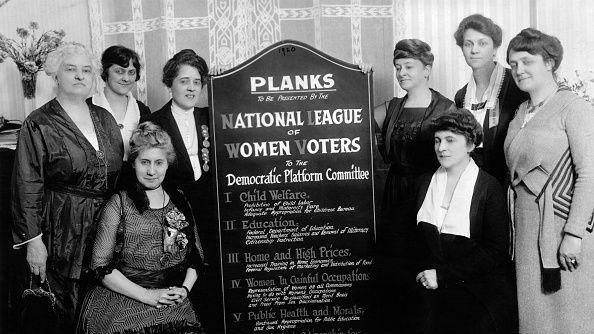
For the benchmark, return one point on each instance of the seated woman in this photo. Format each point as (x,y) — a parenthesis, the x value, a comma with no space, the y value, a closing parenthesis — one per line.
(463,221)
(146,250)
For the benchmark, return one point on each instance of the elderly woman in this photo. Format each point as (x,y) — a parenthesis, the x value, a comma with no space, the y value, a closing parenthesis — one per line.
(491,94)
(549,153)
(464,224)
(146,251)
(120,71)
(67,161)
(407,146)
(185,76)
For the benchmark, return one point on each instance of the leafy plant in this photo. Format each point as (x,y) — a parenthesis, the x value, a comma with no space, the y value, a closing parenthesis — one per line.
(582,85)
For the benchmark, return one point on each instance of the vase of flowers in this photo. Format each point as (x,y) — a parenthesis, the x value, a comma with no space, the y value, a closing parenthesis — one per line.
(29,53)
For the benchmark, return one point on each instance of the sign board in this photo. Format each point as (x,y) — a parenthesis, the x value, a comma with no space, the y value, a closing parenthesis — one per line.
(292,130)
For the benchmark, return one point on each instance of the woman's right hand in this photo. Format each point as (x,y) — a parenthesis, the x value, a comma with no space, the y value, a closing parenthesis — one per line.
(37,257)
(161,297)
(365,67)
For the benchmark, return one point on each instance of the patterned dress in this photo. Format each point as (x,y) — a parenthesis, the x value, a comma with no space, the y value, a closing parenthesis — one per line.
(132,242)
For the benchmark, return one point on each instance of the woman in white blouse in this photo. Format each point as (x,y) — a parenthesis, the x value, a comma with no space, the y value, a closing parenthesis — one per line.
(120,71)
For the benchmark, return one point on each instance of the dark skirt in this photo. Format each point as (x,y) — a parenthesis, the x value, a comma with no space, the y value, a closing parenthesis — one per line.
(399,306)
(455,310)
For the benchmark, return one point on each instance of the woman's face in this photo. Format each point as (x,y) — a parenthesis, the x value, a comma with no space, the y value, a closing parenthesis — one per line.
(411,73)
(478,49)
(75,76)
(120,80)
(150,167)
(186,87)
(451,148)
(529,71)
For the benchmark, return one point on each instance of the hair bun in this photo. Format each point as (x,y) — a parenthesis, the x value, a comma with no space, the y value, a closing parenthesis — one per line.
(185,53)
(530,33)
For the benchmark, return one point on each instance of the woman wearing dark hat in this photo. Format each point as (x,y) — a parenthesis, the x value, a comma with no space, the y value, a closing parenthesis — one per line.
(408,146)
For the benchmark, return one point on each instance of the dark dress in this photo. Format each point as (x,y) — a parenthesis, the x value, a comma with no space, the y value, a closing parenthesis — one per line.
(202,197)
(132,242)
(408,146)
(476,293)
(59,184)
(491,158)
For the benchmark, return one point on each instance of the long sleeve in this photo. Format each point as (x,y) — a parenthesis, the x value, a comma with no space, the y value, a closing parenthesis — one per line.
(579,126)
(106,241)
(28,183)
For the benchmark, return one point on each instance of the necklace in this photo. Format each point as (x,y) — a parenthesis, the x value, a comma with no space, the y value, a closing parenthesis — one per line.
(532,109)
(163,225)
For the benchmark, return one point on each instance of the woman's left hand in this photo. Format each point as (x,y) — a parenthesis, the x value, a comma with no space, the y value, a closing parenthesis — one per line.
(569,252)
(181,292)
(365,68)
(428,278)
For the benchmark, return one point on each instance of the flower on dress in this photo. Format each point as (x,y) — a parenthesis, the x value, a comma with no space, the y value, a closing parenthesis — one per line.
(175,222)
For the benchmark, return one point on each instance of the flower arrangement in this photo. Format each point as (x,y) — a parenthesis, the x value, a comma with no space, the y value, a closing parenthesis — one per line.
(582,85)
(175,221)
(30,53)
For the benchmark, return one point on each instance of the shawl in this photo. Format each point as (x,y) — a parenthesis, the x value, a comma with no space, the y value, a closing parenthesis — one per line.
(456,219)
(489,105)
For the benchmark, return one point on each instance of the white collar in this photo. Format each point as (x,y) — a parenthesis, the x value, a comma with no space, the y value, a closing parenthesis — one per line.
(492,92)
(179,111)
(456,219)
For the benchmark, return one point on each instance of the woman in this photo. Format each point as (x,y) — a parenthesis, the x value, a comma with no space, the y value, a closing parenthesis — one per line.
(464,224)
(67,161)
(491,94)
(185,76)
(146,251)
(120,71)
(407,146)
(548,149)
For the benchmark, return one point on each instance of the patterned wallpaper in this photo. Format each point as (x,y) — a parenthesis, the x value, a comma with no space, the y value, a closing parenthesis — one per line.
(227,32)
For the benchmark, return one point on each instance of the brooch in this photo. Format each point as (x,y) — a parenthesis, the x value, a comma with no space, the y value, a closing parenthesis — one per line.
(206,145)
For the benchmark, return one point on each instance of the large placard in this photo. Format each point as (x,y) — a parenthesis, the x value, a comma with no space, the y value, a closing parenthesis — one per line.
(293,148)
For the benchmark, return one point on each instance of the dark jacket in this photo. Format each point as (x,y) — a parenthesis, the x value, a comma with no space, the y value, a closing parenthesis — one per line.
(510,97)
(478,264)
(424,159)
(60,182)
(181,172)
